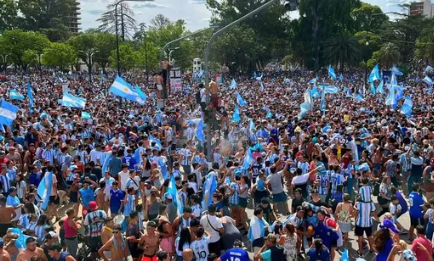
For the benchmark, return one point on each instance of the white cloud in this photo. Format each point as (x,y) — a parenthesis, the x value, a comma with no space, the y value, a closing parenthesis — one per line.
(198,2)
(149,5)
(95,12)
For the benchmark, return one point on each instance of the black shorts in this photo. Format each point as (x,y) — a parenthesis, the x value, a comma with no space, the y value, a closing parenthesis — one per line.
(143,179)
(54,200)
(95,243)
(135,251)
(416,221)
(360,230)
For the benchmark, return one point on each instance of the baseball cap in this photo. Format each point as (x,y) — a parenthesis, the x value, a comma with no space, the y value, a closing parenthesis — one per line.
(387,223)
(51,235)
(93,206)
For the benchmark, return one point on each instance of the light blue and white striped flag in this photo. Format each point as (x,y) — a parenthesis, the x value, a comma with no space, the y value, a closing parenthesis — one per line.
(124,90)
(428,80)
(8,113)
(15,95)
(70,100)
(332,73)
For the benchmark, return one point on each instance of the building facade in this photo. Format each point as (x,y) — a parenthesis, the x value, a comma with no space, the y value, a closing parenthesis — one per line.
(425,8)
(74,21)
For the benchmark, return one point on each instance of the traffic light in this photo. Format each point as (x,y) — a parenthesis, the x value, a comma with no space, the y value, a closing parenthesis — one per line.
(292,5)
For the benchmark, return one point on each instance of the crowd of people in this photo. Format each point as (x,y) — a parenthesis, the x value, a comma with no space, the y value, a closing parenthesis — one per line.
(136,182)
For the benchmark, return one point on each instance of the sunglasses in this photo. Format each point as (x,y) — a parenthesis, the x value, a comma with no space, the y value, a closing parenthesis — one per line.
(116,232)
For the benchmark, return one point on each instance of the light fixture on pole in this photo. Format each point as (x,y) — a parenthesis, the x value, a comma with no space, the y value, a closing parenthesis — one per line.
(118,64)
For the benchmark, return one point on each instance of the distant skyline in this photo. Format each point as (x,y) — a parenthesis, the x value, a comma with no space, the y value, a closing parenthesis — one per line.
(194,12)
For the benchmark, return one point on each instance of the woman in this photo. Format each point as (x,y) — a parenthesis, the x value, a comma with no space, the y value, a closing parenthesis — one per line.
(429,215)
(71,231)
(383,244)
(427,178)
(289,242)
(182,242)
(344,212)
(416,168)
(385,194)
(166,231)
(152,206)
(39,229)
(21,188)
(243,190)
(259,189)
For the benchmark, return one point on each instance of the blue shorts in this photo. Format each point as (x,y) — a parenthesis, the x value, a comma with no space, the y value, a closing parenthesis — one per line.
(279,197)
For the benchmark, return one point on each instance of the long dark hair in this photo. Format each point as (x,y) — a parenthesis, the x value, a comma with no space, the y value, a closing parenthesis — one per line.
(184,237)
(380,238)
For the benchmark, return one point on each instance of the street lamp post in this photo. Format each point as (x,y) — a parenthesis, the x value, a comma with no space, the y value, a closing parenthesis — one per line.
(91,64)
(168,73)
(207,52)
(118,64)
(39,55)
(4,58)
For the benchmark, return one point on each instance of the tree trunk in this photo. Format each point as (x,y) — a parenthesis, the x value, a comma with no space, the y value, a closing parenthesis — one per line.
(122,23)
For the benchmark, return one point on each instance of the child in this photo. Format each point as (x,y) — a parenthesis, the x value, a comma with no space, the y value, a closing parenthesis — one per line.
(395,210)
(62,234)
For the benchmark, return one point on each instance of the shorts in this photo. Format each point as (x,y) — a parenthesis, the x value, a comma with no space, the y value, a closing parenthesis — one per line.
(279,197)
(54,200)
(149,258)
(135,251)
(243,202)
(416,221)
(360,230)
(95,243)
(73,197)
(159,87)
(143,179)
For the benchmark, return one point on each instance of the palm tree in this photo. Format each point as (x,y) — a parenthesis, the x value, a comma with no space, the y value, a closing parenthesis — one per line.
(388,55)
(342,49)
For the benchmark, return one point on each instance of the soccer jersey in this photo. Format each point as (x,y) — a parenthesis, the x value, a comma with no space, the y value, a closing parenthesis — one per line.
(200,248)
(235,254)
(322,184)
(364,216)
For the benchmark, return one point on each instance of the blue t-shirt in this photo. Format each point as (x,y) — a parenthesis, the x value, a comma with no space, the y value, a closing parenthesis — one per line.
(266,256)
(130,161)
(402,202)
(382,256)
(116,199)
(416,202)
(326,234)
(86,195)
(233,254)
(323,255)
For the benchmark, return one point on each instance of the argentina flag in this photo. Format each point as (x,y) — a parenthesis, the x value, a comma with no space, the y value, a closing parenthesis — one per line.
(8,113)
(124,90)
(70,100)
(15,95)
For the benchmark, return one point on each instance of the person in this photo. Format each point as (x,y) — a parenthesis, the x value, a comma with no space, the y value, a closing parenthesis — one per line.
(55,252)
(133,236)
(416,216)
(344,212)
(4,255)
(150,242)
(235,253)
(383,243)
(270,251)
(116,197)
(421,240)
(364,211)
(214,227)
(7,213)
(318,251)
(116,245)
(71,232)
(200,245)
(289,242)
(187,255)
(164,256)
(182,221)
(182,242)
(94,222)
(385,194)
(231,232)
(31,250)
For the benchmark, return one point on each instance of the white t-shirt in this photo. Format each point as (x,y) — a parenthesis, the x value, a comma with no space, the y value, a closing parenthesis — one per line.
(200,248)
(202,95)
(124,176)
(300,180)
(216,224)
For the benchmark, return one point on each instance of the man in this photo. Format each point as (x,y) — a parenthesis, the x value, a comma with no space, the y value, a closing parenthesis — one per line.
(86,195)
(7,213)
(214,227)
(115,164)
(423,240)
(200,245)
(5,181)
(54,197)
(4,255)
(270,250)
(116,245)
(116,198)
(50,239)
(107,234)
(94,221)
(182,221)
(133,235)
(214,89)
(257,230)
(31,251)
(185,159)
(416,211)
(3,160)
(187,254)
(55,252)
(16,157)
(236,253)
(364,213)
(150,242)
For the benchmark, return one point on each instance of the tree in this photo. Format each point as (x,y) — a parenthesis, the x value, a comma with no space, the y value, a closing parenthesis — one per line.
(129,57)
(159,22)
(39,14)
(387,55)
(8,15)
(57,32)
(425,46)
(59,55)
(126,21)
(105,43)
(30,58)
(16,42)
(85,46)
(148,56)
(369,43)
(369,17)
(342,49)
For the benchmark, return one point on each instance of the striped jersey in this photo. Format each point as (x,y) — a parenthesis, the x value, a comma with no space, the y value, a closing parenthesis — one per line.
(234,199)
(365,193)
(129,205)
(95,221)
(364,215)
(185,157)
(5,183)
(323,180)
(200,248)
(49,155)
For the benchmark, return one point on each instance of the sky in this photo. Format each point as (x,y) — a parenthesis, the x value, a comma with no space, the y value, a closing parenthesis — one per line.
(194,12)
